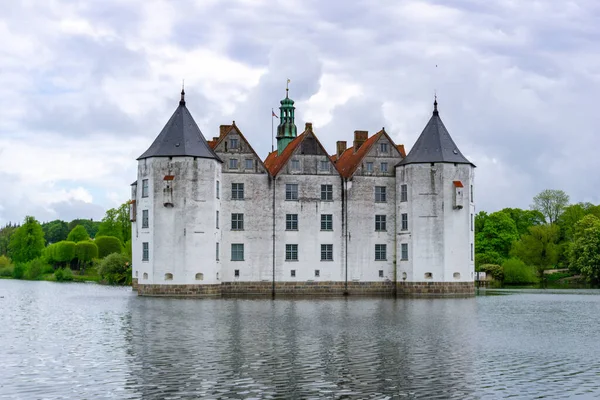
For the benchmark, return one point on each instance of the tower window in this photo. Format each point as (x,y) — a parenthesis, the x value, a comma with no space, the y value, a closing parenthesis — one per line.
(403,192)
(237,252)
(145,222)
(217,251)
(326,252)
(380,252)
(384,167)
(145,251)
(326,222)
(383,147)
(293,273)
(471,193)
(404,251)
(217,220)
(291,191)
(236,273)
(380,222)
(218,189)
(404,222)
(237,222)
(144,187)
(471,222)
(237,191)
(380,194)
(381,273)
(291,222)
(327,192)
(317,273)
(291,252)
(233,163)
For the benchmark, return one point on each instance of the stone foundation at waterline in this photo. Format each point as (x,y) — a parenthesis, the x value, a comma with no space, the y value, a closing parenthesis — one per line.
(435,289)
(134,284)
(240,289)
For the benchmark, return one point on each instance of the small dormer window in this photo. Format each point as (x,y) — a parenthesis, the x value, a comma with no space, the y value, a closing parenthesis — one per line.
(234,143)
(168,190)
(383,147)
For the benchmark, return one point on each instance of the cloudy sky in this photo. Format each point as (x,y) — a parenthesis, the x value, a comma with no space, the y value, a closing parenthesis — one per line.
(85,87)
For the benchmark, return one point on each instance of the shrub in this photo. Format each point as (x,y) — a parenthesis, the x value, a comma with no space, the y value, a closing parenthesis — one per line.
(108,245)
(65,251)
(63,274)
(115,269)
(19,271)
(5,262)
(490,257)
(35,268)
(494,270)
(7,271)
(516,272)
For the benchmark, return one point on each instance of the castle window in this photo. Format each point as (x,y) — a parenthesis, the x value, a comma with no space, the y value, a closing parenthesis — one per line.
(404,251)
(236,273)
(237,222)
(218,189)
(317,273)
(145,251)
(326,222)
(380,222)
(145,222)
(237,252)
(384,167)
(456,275)
(293,273)
(324,166)
(199,276)
(471,222)
(249,163)
(369,167)
(217,251)
(168,276)
(233,143)
(471,193)
(428,275)
(295,165)
(471,251)
(237,191)
(381,273)
(291,191)
(233,163)
(403,192)
(326,252)
(404,222)
(145,275)
(217,220)
(327,192)
(383,147)
(291,222)
(144,187)
(380,194)
(291,252)
(380,252)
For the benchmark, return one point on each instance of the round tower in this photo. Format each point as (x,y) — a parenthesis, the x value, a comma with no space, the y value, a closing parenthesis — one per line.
(435,211)
(176,234)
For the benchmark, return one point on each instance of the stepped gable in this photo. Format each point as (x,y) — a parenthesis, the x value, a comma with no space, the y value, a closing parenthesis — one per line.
(274,163)
(180,137)
(349,160)
(435,145)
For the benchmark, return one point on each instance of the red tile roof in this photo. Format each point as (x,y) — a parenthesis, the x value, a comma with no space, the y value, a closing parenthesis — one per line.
(275,162)
(401,150)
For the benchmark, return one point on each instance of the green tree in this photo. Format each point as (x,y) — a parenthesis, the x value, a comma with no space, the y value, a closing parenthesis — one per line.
(497,235)
(517,273)
(551,204)
(90,226)
(85,252)
(538,248)
(115,269)
(524,218)
(65,252)
(27,242)
(585,250)
(108,245)
(116,223)
(55,231)
(5,234)
(480,219)
(78,234)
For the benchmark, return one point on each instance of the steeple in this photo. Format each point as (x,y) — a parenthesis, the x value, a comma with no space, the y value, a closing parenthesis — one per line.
(286,130)
(435,144)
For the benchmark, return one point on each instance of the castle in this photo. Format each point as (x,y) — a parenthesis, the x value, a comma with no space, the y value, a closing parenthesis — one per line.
(211,218)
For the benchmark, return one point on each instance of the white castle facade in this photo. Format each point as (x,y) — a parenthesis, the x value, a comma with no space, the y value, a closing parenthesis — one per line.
(211,218)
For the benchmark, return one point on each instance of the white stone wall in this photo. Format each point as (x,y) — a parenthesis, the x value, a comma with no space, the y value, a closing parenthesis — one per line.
(181,238)
(438,236)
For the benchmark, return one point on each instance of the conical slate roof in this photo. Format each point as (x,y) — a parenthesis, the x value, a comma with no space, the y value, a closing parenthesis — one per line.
(180,137)
(435,145)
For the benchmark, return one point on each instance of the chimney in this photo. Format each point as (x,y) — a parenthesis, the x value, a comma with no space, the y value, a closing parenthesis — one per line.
(215,138)
(308,126)
(359,138)
(223,129)
(341,147)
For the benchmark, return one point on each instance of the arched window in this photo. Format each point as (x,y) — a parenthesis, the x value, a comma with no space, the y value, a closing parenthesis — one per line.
(428,275)
(168,276)
(145,275)
(456,275)
(199,276)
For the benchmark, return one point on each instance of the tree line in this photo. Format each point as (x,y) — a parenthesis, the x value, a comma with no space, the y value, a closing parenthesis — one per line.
(518,246)
(54,250)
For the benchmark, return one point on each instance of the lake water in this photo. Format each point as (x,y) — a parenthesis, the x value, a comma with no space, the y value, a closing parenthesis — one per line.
(86,341)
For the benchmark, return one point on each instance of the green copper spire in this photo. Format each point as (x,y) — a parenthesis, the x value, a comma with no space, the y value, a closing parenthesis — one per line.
(286,131)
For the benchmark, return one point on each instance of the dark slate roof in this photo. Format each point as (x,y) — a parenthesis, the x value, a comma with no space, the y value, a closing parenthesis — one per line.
(435,145)
(180,137)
